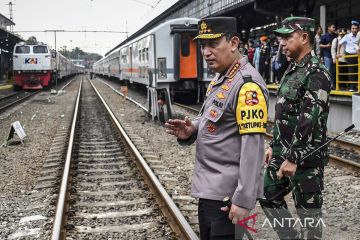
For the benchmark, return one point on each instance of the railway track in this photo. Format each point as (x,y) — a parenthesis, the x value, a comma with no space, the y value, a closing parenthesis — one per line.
(338,145)
(15,99)
(170,174)
(106,184)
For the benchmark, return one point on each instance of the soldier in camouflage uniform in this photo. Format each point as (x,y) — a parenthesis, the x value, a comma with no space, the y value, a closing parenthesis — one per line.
(301,113)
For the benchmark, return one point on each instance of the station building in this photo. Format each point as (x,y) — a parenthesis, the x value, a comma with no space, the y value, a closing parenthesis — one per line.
(259,17)
(7,43)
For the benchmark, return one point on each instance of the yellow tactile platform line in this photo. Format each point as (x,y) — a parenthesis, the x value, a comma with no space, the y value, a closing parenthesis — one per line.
(6,87)
(333,92)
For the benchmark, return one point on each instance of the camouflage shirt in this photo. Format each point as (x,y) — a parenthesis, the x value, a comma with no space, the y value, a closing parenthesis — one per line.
(301,113)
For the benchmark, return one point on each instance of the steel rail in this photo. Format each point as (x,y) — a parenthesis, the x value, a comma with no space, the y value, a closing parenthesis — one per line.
(57,225)
(339,142)
(8,96)
(3,108)
(187,107)
(334,159)
(347,145)
(126,97)
(175,218)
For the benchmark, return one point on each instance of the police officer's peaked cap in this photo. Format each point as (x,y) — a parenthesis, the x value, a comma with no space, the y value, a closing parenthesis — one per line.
(215,27)
(291,24)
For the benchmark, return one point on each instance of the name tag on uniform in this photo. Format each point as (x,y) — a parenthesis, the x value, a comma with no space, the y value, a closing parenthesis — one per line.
(217,103)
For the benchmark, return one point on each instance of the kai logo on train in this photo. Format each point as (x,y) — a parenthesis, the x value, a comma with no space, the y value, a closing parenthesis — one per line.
(251,98)
(31,61)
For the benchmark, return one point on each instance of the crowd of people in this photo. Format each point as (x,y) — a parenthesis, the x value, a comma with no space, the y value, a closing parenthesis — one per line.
(267,57)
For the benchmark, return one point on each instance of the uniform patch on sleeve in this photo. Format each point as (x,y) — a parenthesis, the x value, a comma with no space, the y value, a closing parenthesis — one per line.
(251,109)
(322,95)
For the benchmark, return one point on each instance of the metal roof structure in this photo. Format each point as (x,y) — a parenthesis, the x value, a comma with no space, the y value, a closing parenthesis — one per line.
(178,5)
(5,22)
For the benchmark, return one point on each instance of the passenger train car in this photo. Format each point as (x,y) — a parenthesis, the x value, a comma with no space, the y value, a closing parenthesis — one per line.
(165,59)
(36,66)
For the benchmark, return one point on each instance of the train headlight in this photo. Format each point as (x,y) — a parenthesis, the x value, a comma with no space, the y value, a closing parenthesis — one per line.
(44,71)
(18,72)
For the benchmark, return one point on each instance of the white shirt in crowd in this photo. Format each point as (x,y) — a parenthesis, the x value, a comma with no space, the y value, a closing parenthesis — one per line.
(350,43)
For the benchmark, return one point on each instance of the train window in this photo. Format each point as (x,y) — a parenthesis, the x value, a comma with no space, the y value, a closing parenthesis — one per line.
(162,68)
(22,49)
(185,46)
(147,54)
(40,49)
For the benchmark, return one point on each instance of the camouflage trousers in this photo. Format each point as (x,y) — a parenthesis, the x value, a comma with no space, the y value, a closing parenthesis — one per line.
(306,187)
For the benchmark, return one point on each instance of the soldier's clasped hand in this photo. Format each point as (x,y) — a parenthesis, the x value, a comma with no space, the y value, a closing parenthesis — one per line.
(287,169)
(268,156)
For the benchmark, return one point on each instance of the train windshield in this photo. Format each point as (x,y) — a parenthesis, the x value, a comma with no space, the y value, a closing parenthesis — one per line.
(22,49)
(40,49)
(185,46)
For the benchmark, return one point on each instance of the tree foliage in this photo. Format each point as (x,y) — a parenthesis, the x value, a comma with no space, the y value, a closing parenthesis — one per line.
(87,59)
(31,40)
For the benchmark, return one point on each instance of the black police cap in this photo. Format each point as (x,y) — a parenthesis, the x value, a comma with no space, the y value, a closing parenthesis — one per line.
(215,27)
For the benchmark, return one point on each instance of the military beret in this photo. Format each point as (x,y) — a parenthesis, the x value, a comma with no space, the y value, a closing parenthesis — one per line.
(291,24)
(215,27)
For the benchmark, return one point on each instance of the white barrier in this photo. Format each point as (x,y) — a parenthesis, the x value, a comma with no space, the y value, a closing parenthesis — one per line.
(356,110)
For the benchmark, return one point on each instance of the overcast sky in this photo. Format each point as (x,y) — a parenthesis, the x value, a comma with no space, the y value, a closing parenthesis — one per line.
(100,15)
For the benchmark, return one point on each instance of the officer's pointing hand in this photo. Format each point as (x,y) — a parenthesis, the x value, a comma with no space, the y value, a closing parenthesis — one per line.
(236,213)
(287,169)
(181,129)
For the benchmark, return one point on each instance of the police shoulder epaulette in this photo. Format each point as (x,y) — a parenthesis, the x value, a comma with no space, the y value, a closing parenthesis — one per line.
(234,70)
(247,78)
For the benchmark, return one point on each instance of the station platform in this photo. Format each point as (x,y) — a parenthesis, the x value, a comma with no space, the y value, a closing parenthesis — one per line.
(5,89)
(274,87)
(5,86)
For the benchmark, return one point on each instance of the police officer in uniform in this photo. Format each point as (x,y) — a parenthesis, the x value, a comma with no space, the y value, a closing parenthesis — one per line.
(229,132)
(301,113)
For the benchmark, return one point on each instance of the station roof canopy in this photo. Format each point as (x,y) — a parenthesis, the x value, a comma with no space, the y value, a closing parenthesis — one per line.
(250,13)
(178,5)
(5,22)
(8,40)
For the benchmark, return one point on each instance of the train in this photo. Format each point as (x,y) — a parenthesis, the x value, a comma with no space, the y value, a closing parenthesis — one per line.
(36,66)
(165,60)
